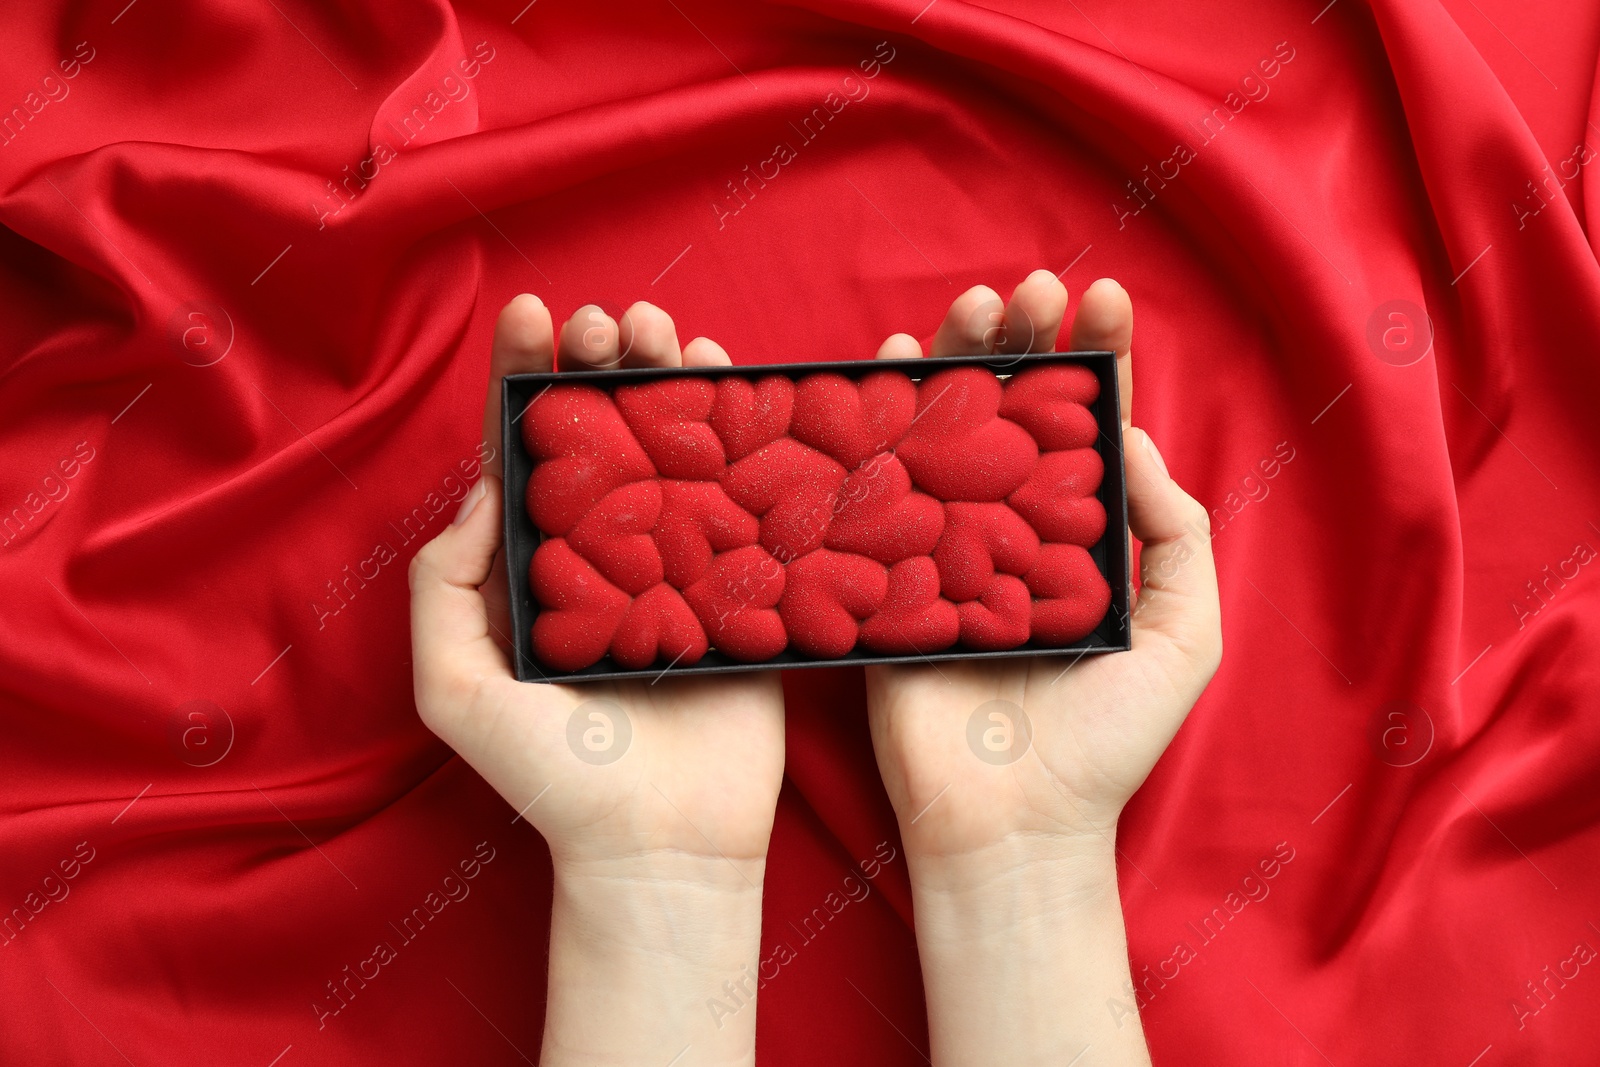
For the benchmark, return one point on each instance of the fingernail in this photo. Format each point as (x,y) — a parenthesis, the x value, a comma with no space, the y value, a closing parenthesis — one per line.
(470,502)
(1155,454)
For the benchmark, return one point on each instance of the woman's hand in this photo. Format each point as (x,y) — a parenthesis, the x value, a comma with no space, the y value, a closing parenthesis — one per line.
(656,798)
(1010,840)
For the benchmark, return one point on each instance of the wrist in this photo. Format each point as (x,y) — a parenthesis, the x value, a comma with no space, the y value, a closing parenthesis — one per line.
(994,894)
(1033,922)
(668,904)
(637,947)
(611,871)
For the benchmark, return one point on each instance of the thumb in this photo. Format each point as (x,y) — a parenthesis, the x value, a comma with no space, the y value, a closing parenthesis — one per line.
(452,652)
(1177,572)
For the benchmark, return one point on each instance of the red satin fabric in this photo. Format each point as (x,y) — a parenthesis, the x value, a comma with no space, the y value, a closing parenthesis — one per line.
(171,205)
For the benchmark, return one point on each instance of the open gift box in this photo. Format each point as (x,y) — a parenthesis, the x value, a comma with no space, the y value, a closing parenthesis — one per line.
(705,519)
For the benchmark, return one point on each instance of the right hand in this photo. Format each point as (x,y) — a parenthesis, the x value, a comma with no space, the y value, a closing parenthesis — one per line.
(699,782)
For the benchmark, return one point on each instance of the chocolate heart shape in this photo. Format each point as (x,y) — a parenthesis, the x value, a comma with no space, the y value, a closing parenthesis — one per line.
(747,416)
(735,601)
(825,595)
(615,536)
(1058,498)
(670,420)
(1073,594)
(1052,404)
(659,627)
(999,619)
(852,421)
(879,515)
(980,539)
(697,521)
(958,447)
(794,489)
(580,610)
(580,420)
(562,490)
(914,618)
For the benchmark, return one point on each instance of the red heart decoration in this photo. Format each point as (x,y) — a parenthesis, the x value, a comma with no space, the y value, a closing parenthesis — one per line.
(580,420)
(581,610)
(999,619)
(697,521)
(795,491)
(1058,498)
(1052,404)
(747,416)
(734,602)
(853,421)
(1073,594)
(881,516)
(562,490)
(658,628)
(615,536)
(958,447)
(914,618)
(670,420)
(978,540)
(825,595)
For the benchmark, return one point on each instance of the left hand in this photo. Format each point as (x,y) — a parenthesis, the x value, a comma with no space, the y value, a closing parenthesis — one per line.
(1099,722)
(1012,860)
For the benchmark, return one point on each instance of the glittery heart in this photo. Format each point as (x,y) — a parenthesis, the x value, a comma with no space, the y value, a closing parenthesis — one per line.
(659,628)
(1052,404)
(881,516)
(852,421)
(1072,594)
(795,491)
(914,618)
(1000,618)
(580,610)
(670,419)
(980,539)
(735,602)
(958,447)
(1058,498)
(580,420)
(615,536)
(697,521)
(825,596)
(747,415)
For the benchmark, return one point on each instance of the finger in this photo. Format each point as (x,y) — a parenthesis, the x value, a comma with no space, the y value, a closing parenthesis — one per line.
(972,326)
(523,344)
(648,338)
(497,605)
(453,656)
(900,346)
(1033,317)
(1104,322)
(1177,573)
(589,341)
(704,352)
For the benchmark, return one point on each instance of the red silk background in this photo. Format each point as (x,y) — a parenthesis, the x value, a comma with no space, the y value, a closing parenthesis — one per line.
(225,383)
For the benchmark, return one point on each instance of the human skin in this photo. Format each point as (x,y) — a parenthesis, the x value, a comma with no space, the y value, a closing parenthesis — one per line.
(1013,865)
(659,856)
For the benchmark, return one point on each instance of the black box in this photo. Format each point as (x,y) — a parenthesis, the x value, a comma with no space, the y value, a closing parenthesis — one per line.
(522,537)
